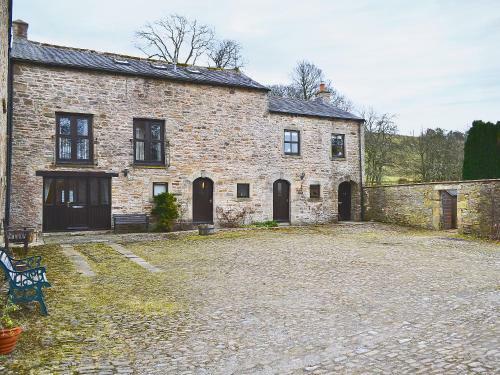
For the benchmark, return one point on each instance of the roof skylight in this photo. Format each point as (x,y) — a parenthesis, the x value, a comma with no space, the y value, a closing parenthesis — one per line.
(192,70)
(159,66)
(121,62)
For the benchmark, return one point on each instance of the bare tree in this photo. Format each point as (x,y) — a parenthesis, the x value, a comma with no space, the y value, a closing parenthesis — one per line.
(440,154)
(340,100)
(175,39)
(380,131)
(306,78)
(285,91)
(225,54)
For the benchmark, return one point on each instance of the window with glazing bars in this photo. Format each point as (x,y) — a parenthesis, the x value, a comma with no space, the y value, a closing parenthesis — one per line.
(338,145)
(292,142)
(149,147)
(74,138)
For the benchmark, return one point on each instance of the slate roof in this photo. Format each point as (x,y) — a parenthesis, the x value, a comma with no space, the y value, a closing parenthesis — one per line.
(46,54)
(26,50)
(316,108)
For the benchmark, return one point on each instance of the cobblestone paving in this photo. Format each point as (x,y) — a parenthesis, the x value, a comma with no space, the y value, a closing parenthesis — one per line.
(351,299)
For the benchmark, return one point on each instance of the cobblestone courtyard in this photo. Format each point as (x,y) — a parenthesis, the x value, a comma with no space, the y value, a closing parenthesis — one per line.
(355,298)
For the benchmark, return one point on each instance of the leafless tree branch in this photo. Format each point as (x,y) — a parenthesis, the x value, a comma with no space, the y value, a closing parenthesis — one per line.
(174,38)
(226,54)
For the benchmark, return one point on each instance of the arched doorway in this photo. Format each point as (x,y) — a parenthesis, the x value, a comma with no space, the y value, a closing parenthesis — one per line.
(281,201)
(344,201)
(203,200)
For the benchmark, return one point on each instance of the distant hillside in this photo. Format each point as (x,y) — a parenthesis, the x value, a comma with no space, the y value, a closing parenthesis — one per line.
(435,156)
(402,169)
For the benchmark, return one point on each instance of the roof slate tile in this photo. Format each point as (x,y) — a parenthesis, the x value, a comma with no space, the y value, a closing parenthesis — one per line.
(27,50)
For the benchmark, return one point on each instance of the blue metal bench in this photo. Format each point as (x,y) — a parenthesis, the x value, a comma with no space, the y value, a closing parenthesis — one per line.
(26,279)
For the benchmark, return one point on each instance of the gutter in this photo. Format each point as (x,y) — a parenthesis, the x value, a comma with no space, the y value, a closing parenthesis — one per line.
(361,170)
(10,78)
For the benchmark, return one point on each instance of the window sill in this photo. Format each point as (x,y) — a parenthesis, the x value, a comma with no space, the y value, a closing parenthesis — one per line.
(314,200)
(75,165)
(293,156)
(241,199)
(149,166)
(338,158)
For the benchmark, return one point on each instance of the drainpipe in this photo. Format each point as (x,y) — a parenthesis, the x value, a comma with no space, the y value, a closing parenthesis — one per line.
(361,170)
(8,171)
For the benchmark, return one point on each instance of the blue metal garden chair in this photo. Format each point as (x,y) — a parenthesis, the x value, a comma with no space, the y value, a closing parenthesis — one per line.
(26,279)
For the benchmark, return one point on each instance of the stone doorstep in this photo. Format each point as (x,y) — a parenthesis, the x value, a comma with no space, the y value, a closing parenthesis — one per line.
(76,233)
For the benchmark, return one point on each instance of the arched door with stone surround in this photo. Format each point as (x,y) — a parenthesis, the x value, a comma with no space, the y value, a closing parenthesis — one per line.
(344,201)
(203,200)
(281,201)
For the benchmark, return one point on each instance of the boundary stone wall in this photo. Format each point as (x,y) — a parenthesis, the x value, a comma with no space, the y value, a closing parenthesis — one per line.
(419,205)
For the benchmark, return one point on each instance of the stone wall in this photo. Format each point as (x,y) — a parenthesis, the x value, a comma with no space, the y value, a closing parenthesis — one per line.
(226,134)
(419,205)
(4,58)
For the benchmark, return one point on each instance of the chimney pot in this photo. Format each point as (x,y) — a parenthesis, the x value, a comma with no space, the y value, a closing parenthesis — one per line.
(20,29)
(322,87)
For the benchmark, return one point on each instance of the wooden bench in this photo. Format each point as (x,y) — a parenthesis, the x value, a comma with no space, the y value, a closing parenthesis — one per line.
(18,236)
(26,279)
(131,219)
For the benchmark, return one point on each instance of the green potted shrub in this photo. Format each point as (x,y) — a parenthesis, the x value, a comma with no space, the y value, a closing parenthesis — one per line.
(165,211)
(9,329)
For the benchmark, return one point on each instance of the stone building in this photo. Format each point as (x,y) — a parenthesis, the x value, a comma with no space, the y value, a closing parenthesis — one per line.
(5,22)
(96,134)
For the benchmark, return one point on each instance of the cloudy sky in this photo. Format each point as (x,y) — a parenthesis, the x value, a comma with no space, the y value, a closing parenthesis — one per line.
(432,63)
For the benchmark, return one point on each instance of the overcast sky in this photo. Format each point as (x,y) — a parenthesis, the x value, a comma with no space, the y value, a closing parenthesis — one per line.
(433,63)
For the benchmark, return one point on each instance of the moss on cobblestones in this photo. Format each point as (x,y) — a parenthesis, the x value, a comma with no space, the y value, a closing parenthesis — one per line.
(339,299)
(86,313)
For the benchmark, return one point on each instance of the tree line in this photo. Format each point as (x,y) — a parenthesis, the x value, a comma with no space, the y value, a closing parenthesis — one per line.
(433,155)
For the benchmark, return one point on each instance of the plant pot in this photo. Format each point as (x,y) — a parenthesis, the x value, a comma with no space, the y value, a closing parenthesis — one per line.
(31,236)
(8,339)
(206,229)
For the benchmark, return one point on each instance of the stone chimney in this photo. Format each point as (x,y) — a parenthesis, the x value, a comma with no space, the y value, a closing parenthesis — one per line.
(20,29)
(323,93)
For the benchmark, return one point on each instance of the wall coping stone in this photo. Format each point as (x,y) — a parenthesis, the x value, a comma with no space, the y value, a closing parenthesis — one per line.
(436,183)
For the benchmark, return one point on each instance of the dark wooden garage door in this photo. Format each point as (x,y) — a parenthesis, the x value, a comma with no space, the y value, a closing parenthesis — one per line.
(76,203)
(449,210)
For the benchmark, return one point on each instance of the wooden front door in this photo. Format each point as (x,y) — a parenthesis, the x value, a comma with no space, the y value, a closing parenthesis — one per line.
(449,210)
(344,201)
(203,201)
(281,201)
(76,203)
